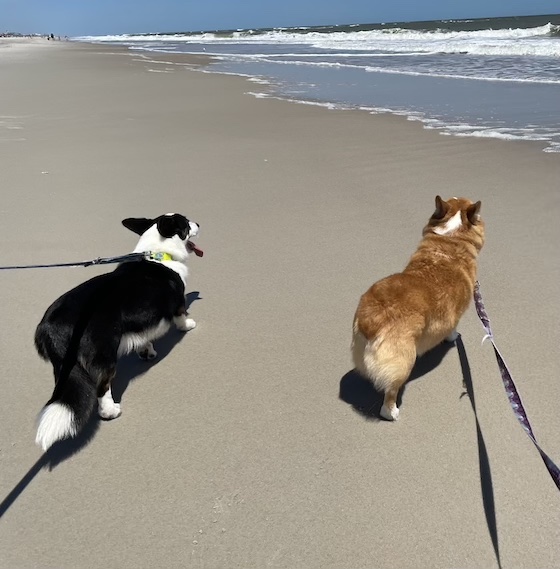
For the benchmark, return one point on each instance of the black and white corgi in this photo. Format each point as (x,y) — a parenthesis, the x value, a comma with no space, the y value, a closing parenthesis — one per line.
(84,332)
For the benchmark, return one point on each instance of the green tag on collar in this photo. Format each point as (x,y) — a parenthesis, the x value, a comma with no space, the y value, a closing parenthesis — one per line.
(161,257)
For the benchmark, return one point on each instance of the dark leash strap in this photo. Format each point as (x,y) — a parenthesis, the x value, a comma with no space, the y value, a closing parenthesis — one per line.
(509,385)
(99,261)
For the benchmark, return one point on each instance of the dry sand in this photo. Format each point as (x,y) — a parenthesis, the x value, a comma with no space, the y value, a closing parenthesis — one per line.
(244,445)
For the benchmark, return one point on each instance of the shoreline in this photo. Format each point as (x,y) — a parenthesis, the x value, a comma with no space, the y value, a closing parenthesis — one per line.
(244,444)
(263,89)
(447,99)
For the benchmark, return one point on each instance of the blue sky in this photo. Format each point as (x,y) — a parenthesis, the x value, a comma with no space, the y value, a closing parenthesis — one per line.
(101,17)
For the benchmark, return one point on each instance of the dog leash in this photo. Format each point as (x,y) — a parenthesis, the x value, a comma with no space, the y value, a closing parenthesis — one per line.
(509,385)
(99,261)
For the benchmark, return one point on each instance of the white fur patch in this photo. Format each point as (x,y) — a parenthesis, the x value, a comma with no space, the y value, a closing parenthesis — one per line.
(108,409)
(184,324)
(179,268)
(389,414)
(452,336)
(55,422)
(134,342)
(450,226)
(194,228)
(151,240)
(147,352)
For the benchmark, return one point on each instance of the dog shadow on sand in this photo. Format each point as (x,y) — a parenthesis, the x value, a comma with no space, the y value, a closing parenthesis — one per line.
(367,401)
(359,392)
(129,368)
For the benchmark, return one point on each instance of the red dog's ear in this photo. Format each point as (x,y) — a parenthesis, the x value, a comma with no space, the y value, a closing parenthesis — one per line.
(138,224)
(473,212)
(442,207)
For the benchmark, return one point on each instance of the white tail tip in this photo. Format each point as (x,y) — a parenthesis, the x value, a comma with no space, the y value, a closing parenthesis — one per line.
(55,422)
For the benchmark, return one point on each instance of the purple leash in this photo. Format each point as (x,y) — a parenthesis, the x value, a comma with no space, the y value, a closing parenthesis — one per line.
(509,385)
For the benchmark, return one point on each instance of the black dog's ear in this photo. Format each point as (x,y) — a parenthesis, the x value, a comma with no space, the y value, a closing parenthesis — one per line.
(170,225)
(138,224)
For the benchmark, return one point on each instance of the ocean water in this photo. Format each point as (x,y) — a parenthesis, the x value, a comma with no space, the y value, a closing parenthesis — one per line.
(497,77)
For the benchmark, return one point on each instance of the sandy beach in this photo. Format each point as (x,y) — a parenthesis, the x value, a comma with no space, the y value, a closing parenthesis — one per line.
(245,445)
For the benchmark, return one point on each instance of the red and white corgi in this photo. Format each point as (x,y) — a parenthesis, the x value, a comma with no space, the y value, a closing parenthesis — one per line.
(406,314)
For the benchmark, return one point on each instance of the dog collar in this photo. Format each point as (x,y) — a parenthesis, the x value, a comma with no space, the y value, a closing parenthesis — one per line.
(160,256)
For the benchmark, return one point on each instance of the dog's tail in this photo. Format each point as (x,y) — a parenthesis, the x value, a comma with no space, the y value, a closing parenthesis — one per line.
(68,409)
(386,361)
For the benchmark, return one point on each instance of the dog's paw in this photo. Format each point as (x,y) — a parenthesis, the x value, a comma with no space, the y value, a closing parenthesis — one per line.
(391,414)
(147,353)
(452,337)
(184,324)
(109,410)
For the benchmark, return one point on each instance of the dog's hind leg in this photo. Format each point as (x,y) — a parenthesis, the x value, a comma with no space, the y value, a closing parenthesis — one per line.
(388,364)
(389,409)
(107,409)
(147,352)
